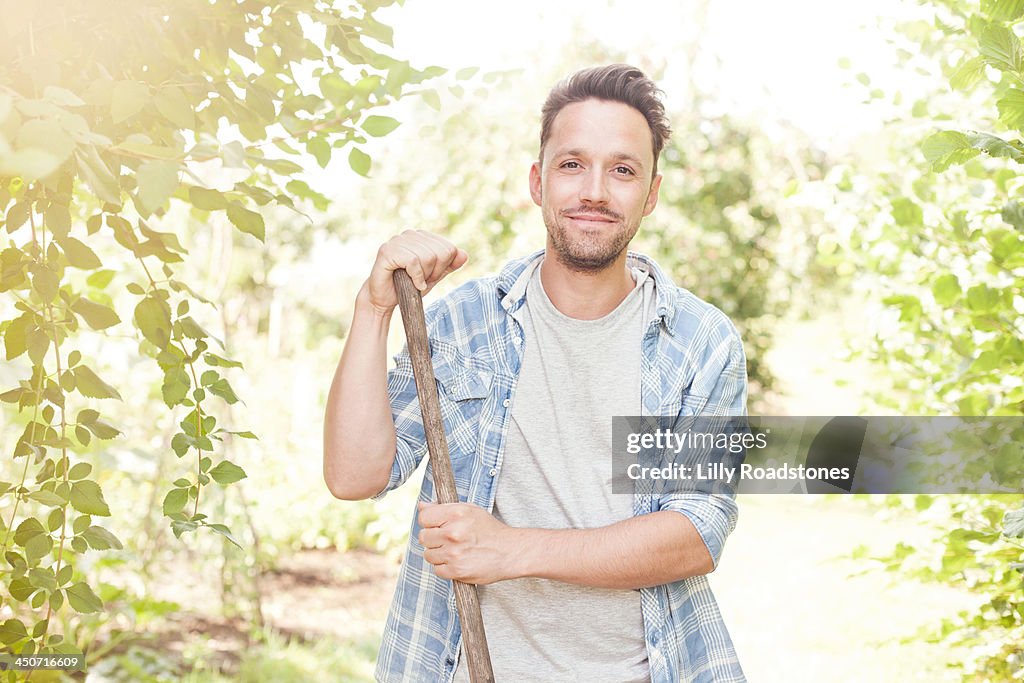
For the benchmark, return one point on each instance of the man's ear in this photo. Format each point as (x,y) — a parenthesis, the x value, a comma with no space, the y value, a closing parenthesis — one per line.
(652,195)
(535,183)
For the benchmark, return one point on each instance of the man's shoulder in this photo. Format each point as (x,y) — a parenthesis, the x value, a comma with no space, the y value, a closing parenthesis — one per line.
(693,314)
(685,314)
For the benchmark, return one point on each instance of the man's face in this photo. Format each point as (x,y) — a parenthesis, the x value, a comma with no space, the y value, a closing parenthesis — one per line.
(594,183)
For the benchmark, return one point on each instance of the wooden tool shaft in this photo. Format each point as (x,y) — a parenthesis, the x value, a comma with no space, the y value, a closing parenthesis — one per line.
(466,600)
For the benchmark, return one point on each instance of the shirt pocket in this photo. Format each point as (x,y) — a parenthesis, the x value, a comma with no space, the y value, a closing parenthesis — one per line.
(692,404)
(464,385)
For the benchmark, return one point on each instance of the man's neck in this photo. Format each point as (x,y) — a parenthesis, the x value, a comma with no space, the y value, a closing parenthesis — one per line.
(585,295)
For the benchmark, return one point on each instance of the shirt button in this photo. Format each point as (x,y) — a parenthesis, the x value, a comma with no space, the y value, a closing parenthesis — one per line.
(517,340)
(506,403)
(494,471)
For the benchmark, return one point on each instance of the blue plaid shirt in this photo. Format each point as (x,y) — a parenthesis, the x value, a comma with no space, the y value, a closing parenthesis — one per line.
(693,363)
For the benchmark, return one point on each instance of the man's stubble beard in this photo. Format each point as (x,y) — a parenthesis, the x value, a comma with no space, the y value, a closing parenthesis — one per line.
(589,253)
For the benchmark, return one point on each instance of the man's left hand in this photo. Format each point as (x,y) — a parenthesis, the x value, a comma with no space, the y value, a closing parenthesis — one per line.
(465,542)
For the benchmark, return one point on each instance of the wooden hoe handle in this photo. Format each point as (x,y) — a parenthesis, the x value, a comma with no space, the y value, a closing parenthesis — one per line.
(466,600)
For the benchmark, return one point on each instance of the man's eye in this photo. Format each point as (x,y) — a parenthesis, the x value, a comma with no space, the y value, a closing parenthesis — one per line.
(624,170)
(570,164)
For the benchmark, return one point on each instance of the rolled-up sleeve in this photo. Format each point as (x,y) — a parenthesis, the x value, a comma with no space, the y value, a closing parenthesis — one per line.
(714,514)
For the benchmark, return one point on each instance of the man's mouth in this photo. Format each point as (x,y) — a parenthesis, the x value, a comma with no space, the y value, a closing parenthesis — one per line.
(590,218)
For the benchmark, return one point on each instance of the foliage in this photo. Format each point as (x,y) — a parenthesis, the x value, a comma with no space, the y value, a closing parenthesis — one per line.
(118,119)
(945,236)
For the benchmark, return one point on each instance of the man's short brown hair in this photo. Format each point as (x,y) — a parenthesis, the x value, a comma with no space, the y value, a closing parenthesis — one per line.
(612,83)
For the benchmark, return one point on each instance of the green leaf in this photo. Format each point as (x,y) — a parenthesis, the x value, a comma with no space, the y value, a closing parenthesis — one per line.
(1013,214)
(43,577)
(29,164)
(223,389)
(968,74)
(46,135)
(98,316)
(320,149)
(102,430)
(225,532)
(379,126)
(335,89)
(985,362)
(946,289)
(46,283)
(207,200)
(11,631)
(62,97)
(997,147)
(982,298)
(226,472)
(47,497)
(157,182)
(57,218)
(79,254)
(38,343)
(175,386)
(16,336)
(153,317)
(947,148)
(1003,10)
(89,384)
(217,361)
(37,548)
(88,416)
(99,538)
(907,213)
(180,444)
(282,166)
(1013,523)
(82,599)
(180,526)
(87,497)
(247,221)
(175,501)
(1011,108)
(432,99)
(100,279)
(17,215)
(97,175)
(1001,48)
(174,106)
(28,530)
(79,471)
(21,589)
(359,161)
(127,99)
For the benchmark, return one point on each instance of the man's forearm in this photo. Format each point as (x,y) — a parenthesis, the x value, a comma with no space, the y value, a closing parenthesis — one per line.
(646,550)
(359,434)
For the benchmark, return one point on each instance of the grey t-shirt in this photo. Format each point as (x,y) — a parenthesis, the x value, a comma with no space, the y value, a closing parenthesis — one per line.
(556,474)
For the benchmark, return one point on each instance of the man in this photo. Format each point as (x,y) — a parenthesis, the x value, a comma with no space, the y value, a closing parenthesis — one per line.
(575,583)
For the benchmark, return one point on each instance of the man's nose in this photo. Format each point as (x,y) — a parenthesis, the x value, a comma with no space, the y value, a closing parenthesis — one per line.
(593,189)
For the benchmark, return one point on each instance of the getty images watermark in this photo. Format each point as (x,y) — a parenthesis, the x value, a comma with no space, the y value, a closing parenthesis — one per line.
(839,454)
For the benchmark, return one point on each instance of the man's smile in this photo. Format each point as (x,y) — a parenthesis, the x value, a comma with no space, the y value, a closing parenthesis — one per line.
(590,219)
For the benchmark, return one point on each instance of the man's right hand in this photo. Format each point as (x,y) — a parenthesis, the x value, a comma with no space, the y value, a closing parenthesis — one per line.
(427,257)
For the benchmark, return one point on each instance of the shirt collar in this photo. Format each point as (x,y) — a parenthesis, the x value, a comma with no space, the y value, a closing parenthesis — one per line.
(512,286)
